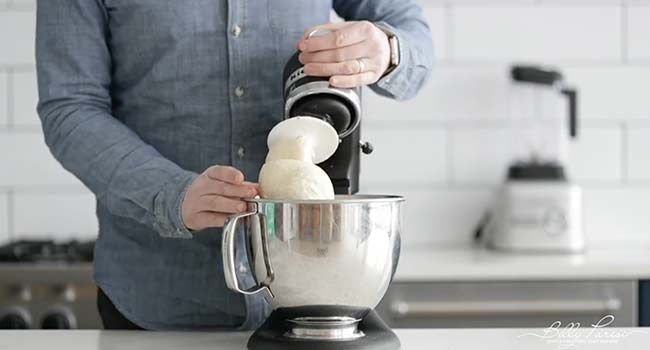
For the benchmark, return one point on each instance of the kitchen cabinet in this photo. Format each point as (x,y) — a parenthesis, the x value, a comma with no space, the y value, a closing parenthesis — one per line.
(509,303)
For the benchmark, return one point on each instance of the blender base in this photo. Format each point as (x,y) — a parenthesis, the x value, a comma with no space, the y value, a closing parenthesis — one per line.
(272,335)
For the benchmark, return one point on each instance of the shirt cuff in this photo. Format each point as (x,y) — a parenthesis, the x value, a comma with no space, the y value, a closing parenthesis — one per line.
(168,220)
(395,82)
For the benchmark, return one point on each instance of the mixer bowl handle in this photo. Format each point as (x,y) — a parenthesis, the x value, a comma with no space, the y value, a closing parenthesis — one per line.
(228,254)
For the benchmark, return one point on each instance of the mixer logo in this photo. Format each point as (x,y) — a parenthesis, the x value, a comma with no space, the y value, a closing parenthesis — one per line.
(572,335)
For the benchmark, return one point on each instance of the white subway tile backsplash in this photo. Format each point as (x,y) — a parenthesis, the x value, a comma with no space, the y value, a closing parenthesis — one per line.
(25,99)
(4,99)
(638,161)
(22,4)
(404,156)
(480,155)
(4,218)
(638,32)
(612,92)
(437,19)
(616,213)
(439,215)
(26,161)
(58,216)
(17,36)
(538,33)
(457,93)
(447,149)
(486,92)
(596,155)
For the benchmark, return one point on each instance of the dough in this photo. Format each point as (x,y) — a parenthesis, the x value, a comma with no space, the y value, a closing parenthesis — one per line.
(293,179)
(289,173)
(298,148)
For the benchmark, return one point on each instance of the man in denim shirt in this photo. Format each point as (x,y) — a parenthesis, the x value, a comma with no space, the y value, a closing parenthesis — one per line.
(162,107)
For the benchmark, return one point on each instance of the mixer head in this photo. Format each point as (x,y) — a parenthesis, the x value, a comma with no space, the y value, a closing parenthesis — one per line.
(340,107)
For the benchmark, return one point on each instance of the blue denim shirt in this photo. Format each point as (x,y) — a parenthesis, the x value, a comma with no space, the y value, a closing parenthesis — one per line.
(138,96)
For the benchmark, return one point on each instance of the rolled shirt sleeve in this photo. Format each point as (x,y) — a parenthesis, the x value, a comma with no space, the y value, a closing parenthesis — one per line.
(405,20)
(128,176)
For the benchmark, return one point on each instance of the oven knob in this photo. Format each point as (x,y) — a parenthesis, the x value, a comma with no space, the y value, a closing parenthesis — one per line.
(14,320)
(57,320)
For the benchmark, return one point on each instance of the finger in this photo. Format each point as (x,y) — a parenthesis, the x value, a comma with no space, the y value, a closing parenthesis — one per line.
(209,219)
(360,50)
(350,67)
(225,174)
(216,187)
(328,26)
(337,38)
(221,204)
(350,81)
(255,186)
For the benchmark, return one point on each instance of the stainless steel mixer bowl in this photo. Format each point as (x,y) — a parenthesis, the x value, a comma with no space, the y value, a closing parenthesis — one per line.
(331,257)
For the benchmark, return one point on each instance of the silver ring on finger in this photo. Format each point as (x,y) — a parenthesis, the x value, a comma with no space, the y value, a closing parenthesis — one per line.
(361,66)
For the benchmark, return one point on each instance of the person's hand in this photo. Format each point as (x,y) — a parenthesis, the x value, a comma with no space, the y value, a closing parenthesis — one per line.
(214,195)
(353,54)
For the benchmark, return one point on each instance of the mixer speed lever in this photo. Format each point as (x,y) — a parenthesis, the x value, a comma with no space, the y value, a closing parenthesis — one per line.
(366,147)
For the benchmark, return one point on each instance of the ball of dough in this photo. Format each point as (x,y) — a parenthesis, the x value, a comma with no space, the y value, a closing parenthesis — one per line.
(298,148)
(292,179)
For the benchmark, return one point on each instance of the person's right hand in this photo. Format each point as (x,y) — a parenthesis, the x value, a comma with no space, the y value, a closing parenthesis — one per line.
(214,195)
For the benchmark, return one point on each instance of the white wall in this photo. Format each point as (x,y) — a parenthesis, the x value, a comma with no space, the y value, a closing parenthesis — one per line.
(447,149)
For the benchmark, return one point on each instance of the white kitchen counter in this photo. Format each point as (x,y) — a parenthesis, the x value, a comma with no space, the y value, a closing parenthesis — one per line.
(458,339)
(625,260)
(621,261)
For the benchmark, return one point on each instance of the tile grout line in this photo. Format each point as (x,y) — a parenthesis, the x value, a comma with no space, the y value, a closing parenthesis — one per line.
(479,124)
(474,185)
(10,98)
(23,67)
(624,153)
(10,215)
(448,133)
(449,163)
(449,21)
(624,32)
(14,7)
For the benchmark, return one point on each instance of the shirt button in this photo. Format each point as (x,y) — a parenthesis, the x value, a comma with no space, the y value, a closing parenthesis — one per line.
(239,91)
(241,152)
(242,268)
(236,30)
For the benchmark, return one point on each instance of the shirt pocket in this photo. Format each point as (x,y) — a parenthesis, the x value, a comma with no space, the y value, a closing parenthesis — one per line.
(294,16)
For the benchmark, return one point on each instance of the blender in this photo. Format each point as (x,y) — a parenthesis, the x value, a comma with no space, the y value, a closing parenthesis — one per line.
(538,208)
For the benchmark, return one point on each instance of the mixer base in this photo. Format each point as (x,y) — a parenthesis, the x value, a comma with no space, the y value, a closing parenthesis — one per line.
(370,333)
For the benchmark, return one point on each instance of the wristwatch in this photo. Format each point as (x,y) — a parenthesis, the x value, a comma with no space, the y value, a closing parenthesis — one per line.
(393,43)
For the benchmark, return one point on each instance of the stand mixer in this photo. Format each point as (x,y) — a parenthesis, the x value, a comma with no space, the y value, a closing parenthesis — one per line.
(323,265)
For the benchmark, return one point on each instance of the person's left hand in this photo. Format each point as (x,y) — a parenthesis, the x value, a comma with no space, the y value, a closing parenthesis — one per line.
(353,54)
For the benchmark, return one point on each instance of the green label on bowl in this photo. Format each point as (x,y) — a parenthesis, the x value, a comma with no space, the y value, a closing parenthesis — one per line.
(269,213)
